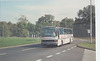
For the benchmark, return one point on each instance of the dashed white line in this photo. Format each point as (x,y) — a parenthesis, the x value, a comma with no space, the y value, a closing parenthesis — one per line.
(64,51)
(74,46)
(3,54)
(39,60)
(28,49)
(49,56)
(68,49)
(58,53)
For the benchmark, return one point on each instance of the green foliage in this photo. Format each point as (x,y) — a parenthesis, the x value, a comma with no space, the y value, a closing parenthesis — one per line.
(87,45)
(23,19)
(67,22)
(31,28)
(23,28)
(84,15)
(46,20)
(5,30)
(82,22)
(1,29)
(14,30)
(56,23)
(25,32)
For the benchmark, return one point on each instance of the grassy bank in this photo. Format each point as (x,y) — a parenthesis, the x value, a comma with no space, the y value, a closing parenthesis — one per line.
(87,45)
(12,41)
(87,38)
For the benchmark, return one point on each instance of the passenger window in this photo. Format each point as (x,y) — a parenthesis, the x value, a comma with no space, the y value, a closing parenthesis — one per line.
(61,31)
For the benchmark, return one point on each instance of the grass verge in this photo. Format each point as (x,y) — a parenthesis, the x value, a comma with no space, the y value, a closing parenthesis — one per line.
(87,45)
(13,41)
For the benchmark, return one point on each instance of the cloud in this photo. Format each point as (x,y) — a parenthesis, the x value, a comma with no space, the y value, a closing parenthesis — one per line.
(54,8)
(59,8)
(16,0)
(30,7)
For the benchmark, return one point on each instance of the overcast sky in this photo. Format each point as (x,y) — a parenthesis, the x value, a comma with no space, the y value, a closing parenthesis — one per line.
(10,10)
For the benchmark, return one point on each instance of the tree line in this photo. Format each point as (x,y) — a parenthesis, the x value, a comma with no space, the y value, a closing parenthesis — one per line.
(82,22)
(24,28)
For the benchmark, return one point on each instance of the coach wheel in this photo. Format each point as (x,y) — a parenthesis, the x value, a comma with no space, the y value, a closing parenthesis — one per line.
(61,43)
(70,41)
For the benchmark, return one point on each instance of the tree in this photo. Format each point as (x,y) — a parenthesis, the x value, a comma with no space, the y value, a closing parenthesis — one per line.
(24,32)
(5,31)
(46,20)
(22,24)
(56,23)
(14,30)
(23,19)
(10,26)
(82,22)
(1,27)
(31,28)
(84,15)
(67,22)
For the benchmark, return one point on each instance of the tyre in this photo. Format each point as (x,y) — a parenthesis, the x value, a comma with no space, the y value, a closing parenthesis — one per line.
(61,43)
(70,41)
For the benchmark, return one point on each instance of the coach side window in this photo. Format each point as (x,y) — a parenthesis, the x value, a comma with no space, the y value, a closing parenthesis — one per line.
(67,31)
(61,31)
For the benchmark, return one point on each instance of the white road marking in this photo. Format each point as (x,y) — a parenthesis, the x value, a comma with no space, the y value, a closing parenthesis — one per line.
(49,56)
(3,54)
(68,49)
(74,46)
(58,53)
(64,51)
(28,49)
(39,60)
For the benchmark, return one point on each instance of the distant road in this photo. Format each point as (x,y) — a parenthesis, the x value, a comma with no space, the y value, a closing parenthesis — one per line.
(36,52)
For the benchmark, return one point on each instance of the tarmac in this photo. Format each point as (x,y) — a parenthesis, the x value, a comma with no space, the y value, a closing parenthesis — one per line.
(89,55)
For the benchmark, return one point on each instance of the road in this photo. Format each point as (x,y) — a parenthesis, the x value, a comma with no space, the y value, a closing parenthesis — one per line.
(36,52)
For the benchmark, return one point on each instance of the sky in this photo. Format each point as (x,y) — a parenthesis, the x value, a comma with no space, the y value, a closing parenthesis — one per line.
(11,10)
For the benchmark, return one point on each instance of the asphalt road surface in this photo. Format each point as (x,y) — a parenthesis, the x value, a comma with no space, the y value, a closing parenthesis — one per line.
(36,52)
